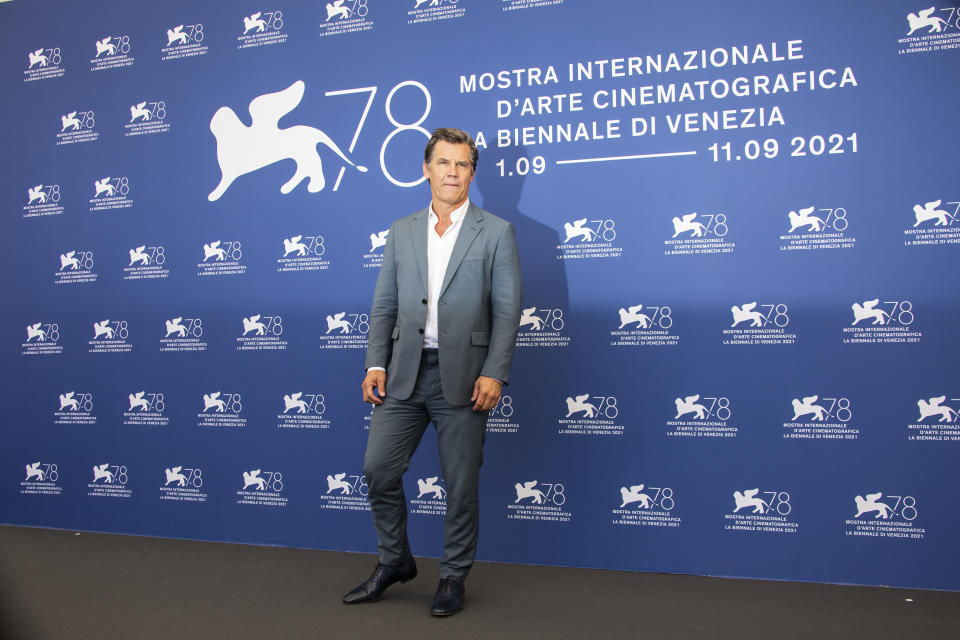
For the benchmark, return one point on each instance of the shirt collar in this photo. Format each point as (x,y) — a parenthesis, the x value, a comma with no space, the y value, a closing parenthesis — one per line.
(455,217)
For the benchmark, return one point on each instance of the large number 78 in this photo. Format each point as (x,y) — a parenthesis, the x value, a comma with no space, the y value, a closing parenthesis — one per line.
(399,127)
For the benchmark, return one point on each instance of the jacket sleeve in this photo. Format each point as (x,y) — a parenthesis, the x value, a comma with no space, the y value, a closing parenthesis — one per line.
(505,294)
(383,313)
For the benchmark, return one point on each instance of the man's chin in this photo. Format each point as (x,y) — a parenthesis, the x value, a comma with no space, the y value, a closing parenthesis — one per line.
(451,199)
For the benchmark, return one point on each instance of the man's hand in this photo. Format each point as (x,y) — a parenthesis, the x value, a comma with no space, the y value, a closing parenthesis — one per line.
(375,379)
(486,393)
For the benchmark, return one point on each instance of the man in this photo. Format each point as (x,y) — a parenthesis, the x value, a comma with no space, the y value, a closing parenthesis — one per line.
(443,327)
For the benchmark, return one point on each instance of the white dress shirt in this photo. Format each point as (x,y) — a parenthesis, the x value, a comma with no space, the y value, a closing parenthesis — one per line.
(439,249)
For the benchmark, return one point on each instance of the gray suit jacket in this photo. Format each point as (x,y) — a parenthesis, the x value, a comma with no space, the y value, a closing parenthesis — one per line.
(478,311)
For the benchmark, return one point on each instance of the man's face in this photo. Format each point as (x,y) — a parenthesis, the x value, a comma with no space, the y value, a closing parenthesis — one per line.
(449,172)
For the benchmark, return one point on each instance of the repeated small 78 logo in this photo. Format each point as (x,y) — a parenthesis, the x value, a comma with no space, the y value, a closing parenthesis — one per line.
(762,502)
(760,316)
(263,21)
(185,34)
(147,111)
(347,485)
(540,492)
(184,477)
(42,472)
(263,480)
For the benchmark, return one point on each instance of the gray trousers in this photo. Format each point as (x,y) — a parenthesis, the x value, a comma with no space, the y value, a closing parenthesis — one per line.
(396,428)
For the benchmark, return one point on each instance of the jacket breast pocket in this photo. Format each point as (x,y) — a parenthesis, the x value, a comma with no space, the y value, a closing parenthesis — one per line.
(472,270)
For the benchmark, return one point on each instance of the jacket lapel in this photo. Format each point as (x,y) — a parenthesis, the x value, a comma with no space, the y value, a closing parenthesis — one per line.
(471,226)
(418,235)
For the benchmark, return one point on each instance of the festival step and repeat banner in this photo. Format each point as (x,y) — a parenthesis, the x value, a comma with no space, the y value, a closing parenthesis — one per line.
(738,227)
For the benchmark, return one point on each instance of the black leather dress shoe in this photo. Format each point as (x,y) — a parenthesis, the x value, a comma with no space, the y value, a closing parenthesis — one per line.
(383,576)
(449,597)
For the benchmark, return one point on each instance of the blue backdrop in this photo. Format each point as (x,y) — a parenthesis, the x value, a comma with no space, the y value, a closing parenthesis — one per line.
(738,231)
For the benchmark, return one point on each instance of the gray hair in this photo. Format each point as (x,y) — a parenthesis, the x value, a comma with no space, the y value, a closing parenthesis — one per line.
(453,136)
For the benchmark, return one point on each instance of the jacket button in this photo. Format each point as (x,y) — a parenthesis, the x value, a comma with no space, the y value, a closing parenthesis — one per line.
(420,331)
(423,300)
